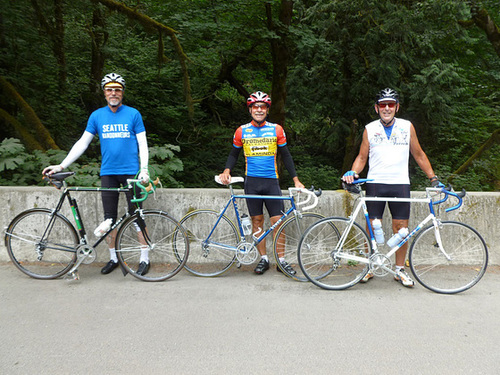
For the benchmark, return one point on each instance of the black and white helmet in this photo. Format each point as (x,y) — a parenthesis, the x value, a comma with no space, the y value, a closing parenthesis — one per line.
(387,94)
(112,77)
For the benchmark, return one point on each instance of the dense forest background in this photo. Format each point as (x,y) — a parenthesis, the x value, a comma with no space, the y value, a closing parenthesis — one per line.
(190,64)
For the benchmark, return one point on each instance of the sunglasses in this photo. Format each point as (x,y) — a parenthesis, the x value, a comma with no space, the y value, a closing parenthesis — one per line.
(109,90)
(390,105)
(259,106)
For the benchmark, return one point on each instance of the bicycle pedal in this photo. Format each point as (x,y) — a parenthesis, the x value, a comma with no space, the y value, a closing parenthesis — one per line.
(72,276)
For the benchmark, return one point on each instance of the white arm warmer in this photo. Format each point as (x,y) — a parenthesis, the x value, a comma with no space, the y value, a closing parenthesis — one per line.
(78,149)
(143,150)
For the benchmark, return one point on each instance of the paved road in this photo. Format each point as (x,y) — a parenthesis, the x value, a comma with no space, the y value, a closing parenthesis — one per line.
(242,323)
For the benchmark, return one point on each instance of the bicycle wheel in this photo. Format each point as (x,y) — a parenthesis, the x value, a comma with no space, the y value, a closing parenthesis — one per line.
(41,244)
(212,257)
(325,261)
(468,258)
(286,242)
(164,244)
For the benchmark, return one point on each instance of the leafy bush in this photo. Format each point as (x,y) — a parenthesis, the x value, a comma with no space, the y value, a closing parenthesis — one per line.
(19,168)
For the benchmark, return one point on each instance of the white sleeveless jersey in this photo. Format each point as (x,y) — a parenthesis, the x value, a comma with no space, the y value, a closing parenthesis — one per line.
(388,158)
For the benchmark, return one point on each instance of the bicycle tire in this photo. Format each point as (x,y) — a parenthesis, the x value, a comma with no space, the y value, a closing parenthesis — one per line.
(167,253)
(465,246)
(292,230)
(207,260)
(322,264)
(37,250)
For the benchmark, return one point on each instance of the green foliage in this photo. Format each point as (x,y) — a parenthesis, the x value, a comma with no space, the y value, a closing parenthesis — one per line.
(164,164)
(313,171)
(19,168)
(10,157)
(342,52)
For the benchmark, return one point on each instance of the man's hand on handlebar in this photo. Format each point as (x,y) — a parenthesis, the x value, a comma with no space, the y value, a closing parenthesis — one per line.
(298,184)
(144,177)
(435,183)
(350,176)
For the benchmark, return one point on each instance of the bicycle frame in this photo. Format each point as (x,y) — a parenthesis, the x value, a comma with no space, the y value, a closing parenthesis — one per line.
(76,212)
(431,217)
(79,222)
(233,201)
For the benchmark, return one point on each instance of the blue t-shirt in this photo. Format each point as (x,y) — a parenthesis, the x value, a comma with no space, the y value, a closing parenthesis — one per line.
(117,133)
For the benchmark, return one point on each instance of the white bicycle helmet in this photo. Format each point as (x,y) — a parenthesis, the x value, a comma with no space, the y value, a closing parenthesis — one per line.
(112,77)
(258,97)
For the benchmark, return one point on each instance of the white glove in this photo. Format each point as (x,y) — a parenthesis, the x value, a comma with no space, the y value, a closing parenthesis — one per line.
(144,177)
(52,169)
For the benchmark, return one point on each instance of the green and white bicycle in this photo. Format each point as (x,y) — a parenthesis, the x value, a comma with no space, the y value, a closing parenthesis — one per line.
(44,244)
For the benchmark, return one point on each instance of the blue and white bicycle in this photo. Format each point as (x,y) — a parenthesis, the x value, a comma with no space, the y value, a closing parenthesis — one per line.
(445,256)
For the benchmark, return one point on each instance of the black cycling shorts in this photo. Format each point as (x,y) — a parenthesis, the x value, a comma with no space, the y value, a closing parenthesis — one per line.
(263,186)
(110,198)
(399,210)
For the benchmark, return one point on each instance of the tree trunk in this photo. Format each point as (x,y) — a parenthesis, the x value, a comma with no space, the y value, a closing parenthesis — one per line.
(24,135)
(42,133)
(482,19)
(351,147)
(280,57)
(98,39)
(152,26)
(494,138)
(55,32)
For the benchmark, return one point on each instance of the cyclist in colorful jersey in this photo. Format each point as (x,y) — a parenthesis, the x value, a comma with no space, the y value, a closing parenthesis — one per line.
(261,140)
(386,145)
(124,152)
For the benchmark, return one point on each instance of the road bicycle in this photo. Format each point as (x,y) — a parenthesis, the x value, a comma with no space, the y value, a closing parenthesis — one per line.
(445,256)
(217,243)
(44,244)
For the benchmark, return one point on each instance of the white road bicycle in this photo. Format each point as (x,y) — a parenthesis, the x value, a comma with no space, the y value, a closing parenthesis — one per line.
(445,256)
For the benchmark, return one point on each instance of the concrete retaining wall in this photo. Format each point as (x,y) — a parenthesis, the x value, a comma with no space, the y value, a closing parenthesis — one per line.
(480,210)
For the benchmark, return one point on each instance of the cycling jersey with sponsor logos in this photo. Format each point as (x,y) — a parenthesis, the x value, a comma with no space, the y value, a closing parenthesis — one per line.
(260,146)
(117,133)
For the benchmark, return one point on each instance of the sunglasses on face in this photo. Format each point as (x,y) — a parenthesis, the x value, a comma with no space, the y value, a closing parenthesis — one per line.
(109,90)
(390,105)
(259,106)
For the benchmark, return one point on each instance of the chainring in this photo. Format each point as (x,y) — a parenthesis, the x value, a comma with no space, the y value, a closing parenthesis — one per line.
(379,263)
(86,253)
(246,253)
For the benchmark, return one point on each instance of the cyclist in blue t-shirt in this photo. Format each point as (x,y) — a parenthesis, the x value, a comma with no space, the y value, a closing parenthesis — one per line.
(124,151)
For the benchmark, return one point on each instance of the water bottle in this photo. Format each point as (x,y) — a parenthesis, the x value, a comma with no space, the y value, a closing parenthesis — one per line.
(246,224)
(398,237)
(103,227)
(378,232)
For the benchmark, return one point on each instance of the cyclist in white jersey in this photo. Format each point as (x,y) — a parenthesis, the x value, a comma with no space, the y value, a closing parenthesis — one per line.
(124,152)
(386,145)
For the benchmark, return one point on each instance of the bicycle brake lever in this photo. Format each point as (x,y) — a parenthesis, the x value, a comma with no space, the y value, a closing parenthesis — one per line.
(317,192)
